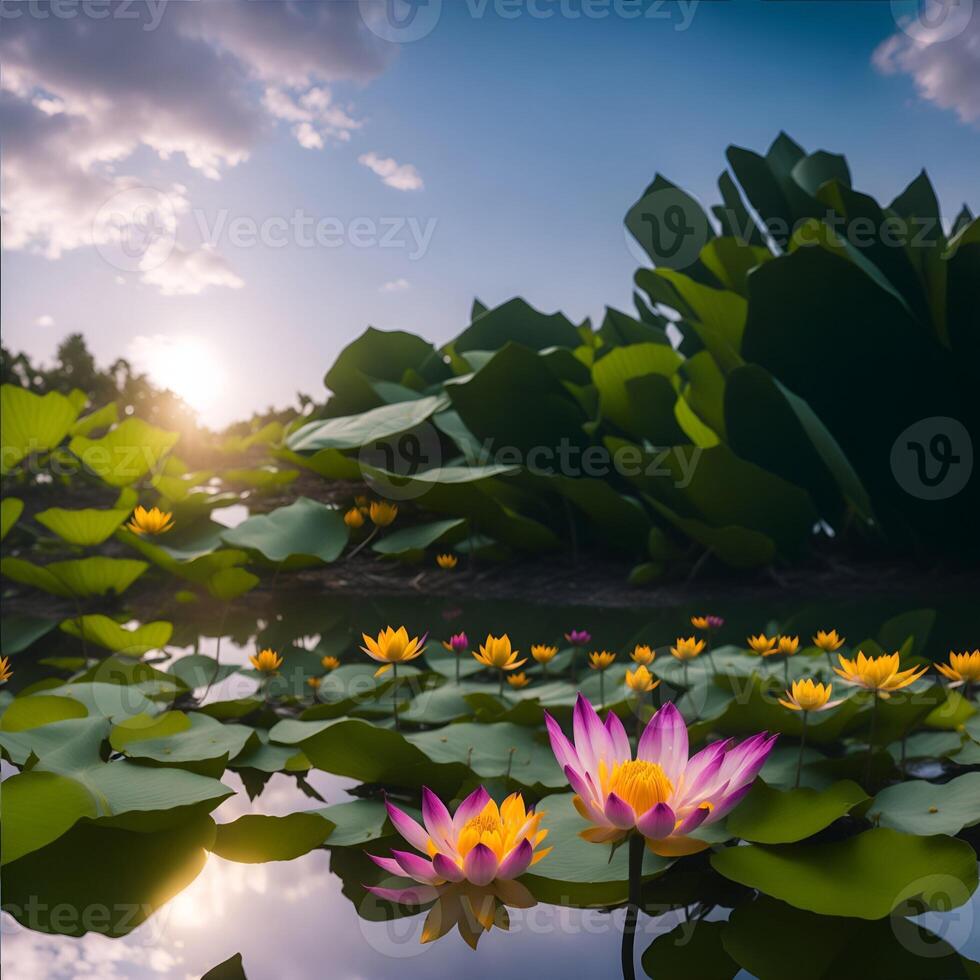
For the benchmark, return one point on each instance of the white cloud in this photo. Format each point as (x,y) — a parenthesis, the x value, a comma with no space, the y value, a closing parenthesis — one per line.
(396,286)
(44,320)
(186,272)
(80,97)
(401,176)
(943,62)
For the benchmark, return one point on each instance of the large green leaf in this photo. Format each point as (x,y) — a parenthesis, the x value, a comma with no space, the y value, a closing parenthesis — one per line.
(31,423)
(355,823)
(692,949)
(126,453)
(78,578)
(18,631)
(918,807)
(101,418)
(303,532)
(516,321)
(866,876)
(772,816)
(256,838)
(177,739)
(82,527)
(33,711)
(409,540)
(107,633)
(10,509)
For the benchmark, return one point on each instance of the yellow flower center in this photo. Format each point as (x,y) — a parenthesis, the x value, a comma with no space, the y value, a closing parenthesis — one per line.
(637,782)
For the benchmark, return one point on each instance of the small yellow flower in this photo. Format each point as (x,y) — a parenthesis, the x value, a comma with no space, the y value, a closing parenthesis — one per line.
(963,668)
(687,649)
(519,679)
(788,645)
(447,561)
(601,661)
(879,675)
(699,622)
(640,680)
(762,645)
(152,521)
(543,653)
(392,647)
(383,513)
(266,661)
(361,501)
(828,642)
(329,663)
(314,682)
(643,655)
(5,672)
(497,652)
(354,518)
(807,696)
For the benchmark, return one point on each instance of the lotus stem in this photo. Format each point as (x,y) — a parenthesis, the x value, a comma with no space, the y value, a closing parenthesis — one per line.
(457,668)
(871,739)
(500,689)
(786,671)
(799,758)
(217,654)
(602,688)
(394,693)
(633,908)
(366,541)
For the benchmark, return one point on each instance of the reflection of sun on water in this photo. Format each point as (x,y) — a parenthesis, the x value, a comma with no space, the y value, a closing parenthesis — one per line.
(189,366)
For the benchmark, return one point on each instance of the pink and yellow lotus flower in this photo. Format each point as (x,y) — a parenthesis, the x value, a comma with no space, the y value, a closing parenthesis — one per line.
(662,793)
(481,843)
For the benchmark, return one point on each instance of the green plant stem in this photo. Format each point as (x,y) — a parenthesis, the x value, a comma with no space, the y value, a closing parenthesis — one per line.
(574,672)
(633,908)
(364,543)
(799,759)
(217,654)
(871,739)
(394,693)
(458,656)
(786,671)
(602,688)
(500,689)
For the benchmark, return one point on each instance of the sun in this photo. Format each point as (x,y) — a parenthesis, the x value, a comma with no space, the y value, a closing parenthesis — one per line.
(189,366)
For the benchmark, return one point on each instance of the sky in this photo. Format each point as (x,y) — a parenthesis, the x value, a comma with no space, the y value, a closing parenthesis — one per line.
(227,192)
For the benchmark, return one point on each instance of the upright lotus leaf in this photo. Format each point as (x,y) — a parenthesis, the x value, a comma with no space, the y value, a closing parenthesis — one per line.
(301,533)
(10,509)
(110,880)
(646,410)
(355,823)
(376,425)
(256,838)
(107,633)
(108,696)
(731,261)
(78,578)
(734,216)
(267,435)
(199,569)
(491,403)
(230,969)
(772,816)
(101,418)
(866,876)
(329,463)
(516,322)
(378,355)
(126,453)
(19,631)
(619,329)
(85,527)
(919,807)
(412,541)
(31,423)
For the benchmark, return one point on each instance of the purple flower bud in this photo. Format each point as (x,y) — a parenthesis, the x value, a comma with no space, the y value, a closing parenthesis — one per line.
(715,622)
(579,638)
(457,643)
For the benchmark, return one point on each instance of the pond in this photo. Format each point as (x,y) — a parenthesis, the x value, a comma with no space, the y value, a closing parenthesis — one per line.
(149,896)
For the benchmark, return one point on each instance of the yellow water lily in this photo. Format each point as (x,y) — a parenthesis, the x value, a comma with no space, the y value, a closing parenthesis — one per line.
(699,622)
(641,681)
(354,518)
(447,561)
(963,668)
(643,655)
(314,682)
(392,646)
(601,660)
(788,645)
(687,648)
(806,695)
(829,642)
(329,663)
(543,653)
(382,512)
(496,652)
(266,661)
(880,675)
(520,679)
(152,521)
(762,644)
(5,672)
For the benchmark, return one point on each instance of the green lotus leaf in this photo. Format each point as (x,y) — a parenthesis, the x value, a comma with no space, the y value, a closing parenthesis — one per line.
(107,633)
(39,709)
(82,527)
(77,578)
(196,670)
(577,872)
(264,757)
(256,838)
(262,478)
(414,540)
(304,532)
(376,425)
(772,816)
(126,453)
(111,880)
(229,969)
(866,876)
(176,739)
(919,807)
(693,949)
(111,697)
(10,509)
(31,423)
(516,321)
(101,418)
(355,823)
(18,631)
(230,583)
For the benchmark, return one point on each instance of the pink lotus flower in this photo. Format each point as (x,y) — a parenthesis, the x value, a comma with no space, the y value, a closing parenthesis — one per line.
(480,844)
(579,638)
(457,643)
(662,793)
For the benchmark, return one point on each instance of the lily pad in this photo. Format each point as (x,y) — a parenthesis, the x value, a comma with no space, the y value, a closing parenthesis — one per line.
(692,949)
(107,633)
(919,807)
(255,838)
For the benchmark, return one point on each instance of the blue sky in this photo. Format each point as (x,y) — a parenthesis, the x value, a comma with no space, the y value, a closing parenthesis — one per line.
(515,145)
